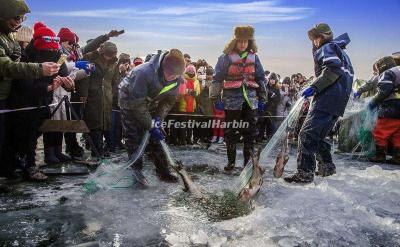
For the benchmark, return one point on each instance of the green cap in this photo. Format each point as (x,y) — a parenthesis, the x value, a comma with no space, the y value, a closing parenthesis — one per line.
(320,29)
(13,8)
(385,63)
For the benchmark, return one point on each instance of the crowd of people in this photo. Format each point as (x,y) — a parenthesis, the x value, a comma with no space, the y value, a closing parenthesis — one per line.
(48,75)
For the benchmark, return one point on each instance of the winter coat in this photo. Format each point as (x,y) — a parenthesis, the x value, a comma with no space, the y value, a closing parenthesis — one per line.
(233,98)
(11,68)
(140,92)
(370,86)
(187,103)
(32,93)
(388,96)
(205,105)
(332,61)
(274,97)
(284,105)
(98,90)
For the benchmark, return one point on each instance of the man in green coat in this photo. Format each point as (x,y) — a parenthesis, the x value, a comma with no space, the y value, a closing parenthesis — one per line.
(98,91)
(12,14)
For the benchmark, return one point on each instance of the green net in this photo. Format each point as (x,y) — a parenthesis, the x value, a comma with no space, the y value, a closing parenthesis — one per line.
(365,137)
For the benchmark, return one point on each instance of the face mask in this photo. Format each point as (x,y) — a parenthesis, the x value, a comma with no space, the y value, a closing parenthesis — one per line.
(202,77)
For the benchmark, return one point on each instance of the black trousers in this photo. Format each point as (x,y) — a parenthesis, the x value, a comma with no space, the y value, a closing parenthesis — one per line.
(133,133)
(249,132)
(21,138)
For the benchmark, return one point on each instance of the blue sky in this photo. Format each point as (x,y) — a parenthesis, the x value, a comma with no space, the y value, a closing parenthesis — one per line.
(202,28)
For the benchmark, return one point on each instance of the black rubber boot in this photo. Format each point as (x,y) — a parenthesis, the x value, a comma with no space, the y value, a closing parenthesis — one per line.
(380,155)
(50,156)
(62,157)
(231,152)
(247,153)
(300,177)
(396,157)
(163,173)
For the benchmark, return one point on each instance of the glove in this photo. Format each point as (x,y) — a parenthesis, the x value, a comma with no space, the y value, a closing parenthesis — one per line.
(261,106)
(156,132)
(85,65)
(219,105)
(372,105)
(192,93)
(356,95)
(308,92)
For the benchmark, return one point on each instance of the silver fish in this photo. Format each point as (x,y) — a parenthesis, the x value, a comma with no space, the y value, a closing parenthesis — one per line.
(254,185)
(282,158)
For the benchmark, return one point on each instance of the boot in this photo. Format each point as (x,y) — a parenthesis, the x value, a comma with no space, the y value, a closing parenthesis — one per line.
(300,177)
(231,151)
(137,169)
(163,173)
(247,153)
(325,170)
(221,140)
(214,139)
(34,174)
(75,151)
(380,155)
(396,156)
(50,156)
(62,157)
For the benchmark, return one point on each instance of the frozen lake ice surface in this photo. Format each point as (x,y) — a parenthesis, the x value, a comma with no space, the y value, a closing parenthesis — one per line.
(359,206)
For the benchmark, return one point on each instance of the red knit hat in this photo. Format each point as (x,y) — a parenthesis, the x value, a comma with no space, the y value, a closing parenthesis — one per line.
(44,38)
(66,34)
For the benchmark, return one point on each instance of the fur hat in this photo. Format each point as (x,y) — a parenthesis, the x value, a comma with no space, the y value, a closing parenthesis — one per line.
(242,33)
(174,63)
(40,34)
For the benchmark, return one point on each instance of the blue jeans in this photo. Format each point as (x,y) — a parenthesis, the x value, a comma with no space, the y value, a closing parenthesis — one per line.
(316,127)
(116,129)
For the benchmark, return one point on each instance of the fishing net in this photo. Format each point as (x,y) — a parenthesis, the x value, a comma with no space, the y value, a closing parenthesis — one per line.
(113,175)
(356,127)
(266,152)
(217,207)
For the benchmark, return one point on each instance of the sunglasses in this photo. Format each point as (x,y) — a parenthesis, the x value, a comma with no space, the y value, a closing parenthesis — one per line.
(20,18)
(49,39)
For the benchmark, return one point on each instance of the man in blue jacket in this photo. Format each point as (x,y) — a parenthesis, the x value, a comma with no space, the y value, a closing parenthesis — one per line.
(145,98)
(331,90)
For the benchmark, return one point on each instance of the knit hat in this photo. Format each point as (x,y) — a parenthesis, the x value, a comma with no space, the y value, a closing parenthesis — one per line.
(44,38)
(321,29)
(173,63)
(273,76)
(24,34)
(242,33)
(396,57)
(190,69)
(137,61)
(108,49)
(209,71)
(13,8)
(385,63)
(65,34)
(286,80)
(124,58)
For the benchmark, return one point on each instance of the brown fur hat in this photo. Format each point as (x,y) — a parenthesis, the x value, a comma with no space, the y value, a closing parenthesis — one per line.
(242,33)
